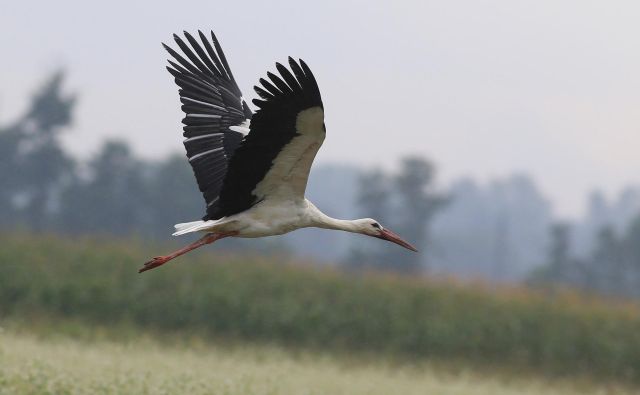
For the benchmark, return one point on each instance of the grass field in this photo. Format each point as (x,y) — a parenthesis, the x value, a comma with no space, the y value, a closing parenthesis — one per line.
(30,364)
(310,330)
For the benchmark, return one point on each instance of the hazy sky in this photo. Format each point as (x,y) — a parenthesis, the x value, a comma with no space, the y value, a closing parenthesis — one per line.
(484,88)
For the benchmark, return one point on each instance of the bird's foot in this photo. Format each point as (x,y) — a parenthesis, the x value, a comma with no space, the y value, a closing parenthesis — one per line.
(155,262)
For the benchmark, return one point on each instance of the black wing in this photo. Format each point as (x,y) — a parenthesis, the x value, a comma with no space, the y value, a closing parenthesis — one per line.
(214,109)
(275,157)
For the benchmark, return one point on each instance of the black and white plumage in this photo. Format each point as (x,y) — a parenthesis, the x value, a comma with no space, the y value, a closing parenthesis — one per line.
(216,116)
(252,168)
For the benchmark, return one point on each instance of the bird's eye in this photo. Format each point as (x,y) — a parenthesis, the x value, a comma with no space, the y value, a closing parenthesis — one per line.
(376,225)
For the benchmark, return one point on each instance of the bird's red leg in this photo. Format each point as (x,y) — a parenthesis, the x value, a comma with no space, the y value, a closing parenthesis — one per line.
(161,260)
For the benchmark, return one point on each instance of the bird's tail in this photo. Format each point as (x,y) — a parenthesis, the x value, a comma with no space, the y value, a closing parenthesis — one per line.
(189,227)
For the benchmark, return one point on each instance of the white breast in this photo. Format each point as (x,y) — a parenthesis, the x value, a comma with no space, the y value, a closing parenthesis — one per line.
(268,218)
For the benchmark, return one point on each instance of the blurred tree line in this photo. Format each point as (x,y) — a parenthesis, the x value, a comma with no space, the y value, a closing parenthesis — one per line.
(611,268)
(600,252)
(497,230)
(45,189)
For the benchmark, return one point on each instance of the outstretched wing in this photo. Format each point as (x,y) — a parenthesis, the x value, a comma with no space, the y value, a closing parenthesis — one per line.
(274,159)
(216,116)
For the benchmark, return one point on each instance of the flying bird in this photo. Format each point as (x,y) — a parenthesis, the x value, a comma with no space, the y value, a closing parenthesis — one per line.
(252,168)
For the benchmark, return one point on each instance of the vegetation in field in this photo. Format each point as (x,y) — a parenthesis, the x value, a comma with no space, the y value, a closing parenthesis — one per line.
(59,365)
(263,300)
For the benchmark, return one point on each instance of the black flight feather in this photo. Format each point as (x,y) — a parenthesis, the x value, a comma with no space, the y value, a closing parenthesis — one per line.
(212,103)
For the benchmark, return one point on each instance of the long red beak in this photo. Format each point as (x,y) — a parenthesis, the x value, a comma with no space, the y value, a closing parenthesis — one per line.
(386,234)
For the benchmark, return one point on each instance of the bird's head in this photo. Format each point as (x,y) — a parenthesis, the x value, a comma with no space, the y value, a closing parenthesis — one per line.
(371,227)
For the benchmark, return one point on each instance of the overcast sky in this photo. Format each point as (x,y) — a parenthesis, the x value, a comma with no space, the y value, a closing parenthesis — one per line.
(484,88)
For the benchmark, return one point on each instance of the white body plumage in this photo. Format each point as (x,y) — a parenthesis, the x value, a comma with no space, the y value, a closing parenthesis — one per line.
(271,218)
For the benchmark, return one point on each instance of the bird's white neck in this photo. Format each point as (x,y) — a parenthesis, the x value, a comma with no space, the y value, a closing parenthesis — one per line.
(321,220)
(338,224)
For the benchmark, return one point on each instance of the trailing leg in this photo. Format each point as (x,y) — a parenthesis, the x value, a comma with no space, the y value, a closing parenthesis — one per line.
(161,260)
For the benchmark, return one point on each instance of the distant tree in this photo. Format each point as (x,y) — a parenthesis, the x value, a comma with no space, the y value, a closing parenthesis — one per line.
(559,253)
(10,177)
(604,262)
(501,246)
(374,200)
(405,202)
(35,167)
(497,231)
(418,203)
(630,270)
(598,208)
(559,260)
(612,268)
(374,194)
(172,196)
(561,268)
(113,199)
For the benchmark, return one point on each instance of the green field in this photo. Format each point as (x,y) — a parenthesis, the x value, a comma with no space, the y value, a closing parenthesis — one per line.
(337,328)
(32,365)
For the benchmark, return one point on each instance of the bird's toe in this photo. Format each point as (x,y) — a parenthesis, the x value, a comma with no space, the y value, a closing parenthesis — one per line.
(153,263)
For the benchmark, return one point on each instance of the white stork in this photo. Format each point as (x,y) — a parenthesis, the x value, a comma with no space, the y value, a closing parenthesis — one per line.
(252,168)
